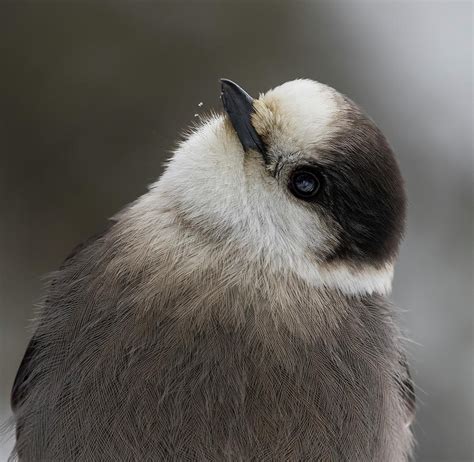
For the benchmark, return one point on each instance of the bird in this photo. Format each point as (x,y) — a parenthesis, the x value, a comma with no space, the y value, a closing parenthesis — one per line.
(240,309)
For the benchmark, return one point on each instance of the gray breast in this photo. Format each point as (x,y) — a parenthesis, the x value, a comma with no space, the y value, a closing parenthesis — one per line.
(108,380)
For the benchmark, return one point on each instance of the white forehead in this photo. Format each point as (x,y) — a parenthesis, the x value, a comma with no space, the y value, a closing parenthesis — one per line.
(303,112)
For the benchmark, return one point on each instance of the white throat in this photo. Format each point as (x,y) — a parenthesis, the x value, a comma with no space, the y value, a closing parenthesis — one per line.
(222,193)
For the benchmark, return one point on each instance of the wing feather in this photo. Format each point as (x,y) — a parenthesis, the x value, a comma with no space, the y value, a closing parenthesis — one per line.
(23,378)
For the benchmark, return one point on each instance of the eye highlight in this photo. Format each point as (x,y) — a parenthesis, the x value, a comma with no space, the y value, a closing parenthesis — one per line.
(304,183)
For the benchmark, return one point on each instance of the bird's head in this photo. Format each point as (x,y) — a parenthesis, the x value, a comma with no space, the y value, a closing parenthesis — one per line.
(300,179)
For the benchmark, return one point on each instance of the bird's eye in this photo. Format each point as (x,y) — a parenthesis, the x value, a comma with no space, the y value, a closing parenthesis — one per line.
(304,184)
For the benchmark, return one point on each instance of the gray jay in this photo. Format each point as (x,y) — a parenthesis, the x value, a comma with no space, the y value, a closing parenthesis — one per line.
(238,311)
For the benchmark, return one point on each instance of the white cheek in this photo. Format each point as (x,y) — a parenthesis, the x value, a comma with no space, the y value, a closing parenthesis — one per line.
(210,183)
(206,173)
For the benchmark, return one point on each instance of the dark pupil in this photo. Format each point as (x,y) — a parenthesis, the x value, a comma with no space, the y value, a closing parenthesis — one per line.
(305,183)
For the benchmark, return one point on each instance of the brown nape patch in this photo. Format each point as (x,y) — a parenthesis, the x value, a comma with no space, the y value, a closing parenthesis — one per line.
(363,193)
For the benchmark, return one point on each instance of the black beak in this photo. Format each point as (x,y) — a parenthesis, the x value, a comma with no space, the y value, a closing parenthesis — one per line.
(239,106)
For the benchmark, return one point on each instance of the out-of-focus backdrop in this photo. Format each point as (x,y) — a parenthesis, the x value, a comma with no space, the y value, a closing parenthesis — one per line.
(93,95)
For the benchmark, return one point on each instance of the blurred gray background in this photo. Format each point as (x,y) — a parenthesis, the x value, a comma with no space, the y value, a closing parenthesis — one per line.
(93,95)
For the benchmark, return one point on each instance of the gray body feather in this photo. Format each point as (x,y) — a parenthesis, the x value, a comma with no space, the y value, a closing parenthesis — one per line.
(114,378)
